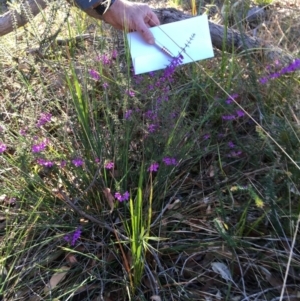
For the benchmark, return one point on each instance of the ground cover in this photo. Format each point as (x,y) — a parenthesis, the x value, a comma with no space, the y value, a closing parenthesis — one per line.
(181,184)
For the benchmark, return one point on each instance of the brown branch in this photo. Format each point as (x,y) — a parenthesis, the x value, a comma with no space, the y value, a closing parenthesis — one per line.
(13,16)
(234,41)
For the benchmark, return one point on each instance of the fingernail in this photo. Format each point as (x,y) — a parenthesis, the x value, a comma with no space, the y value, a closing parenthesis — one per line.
(151,41)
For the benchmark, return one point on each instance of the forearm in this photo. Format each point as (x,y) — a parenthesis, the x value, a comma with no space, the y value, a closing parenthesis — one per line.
(122,14)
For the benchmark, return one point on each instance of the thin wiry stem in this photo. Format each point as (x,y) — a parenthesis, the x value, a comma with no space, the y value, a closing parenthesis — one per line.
(289,260)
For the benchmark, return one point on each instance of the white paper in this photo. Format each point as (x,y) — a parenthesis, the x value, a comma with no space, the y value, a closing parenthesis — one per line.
(173,36)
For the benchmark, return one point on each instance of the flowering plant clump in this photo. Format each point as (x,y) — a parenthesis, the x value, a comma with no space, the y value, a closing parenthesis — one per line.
(292,67)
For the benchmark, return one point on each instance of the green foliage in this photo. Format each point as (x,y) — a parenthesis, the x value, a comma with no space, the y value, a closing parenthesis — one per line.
(263,2)
(134,185)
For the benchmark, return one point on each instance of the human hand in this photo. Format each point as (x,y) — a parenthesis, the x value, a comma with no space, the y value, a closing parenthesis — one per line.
(130,16)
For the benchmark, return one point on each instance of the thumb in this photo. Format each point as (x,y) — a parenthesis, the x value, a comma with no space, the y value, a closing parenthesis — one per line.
(145,32)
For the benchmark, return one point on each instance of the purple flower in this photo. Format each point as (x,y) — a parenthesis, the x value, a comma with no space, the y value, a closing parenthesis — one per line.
(169,71)
(229,100)
(128,113)
(153,167)
(130,93)
(44,118)
(152,127)
(73,237)
(94,74)
(2,147)
(121,198)
(126,196)
(105,85)
(231,144)
(228,117)
(23,131)
(138,79)
(104,58)
(169,161)
(114,54)
(295,65)
(150,115)
(109,165)
(44,162)
(275,75)
(206,136)
(118,196)
(63,163)
(263,80)
(37,148)
(77,162)
(240,113)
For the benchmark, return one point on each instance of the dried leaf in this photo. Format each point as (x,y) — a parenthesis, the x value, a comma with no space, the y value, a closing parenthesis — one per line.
(221,269)
(56,278)
(71,259)
(110,198)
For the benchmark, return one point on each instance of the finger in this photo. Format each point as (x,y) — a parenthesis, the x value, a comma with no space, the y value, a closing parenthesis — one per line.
(153,19)
(145,32)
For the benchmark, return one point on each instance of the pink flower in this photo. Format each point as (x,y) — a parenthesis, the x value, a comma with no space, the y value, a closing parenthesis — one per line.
(152,128)
(2,147)
(63,163)
(169,161)
(77,162)
(121,198)
(109,165)
(153,167)
(44,118)
(45,163)
(130,93)
(114,54)
(94,74)
(23,131)
(37,148)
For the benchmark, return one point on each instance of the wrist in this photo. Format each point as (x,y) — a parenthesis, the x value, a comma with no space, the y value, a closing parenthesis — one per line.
(104,6)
